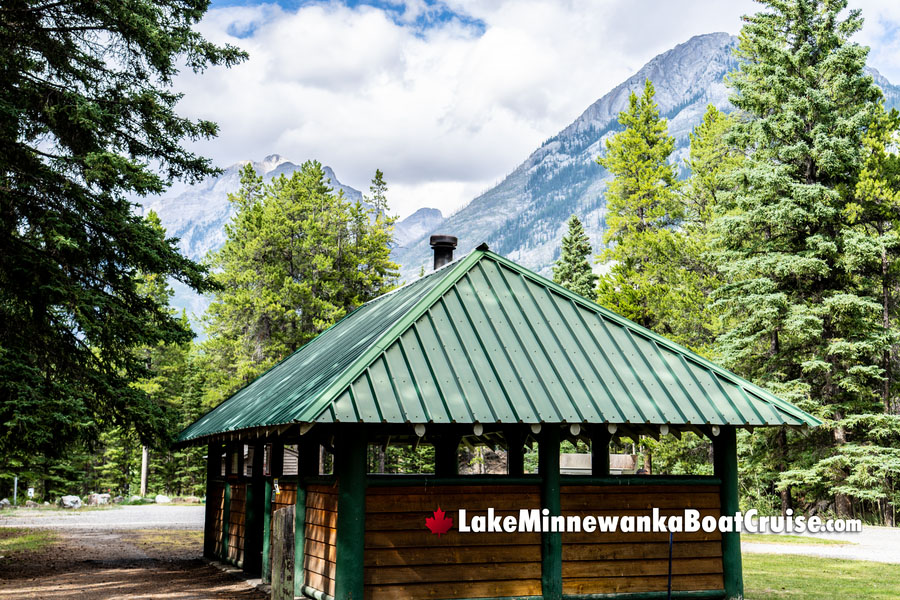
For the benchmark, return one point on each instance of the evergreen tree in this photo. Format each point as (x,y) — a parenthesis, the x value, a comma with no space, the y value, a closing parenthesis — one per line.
(643,207)
(85,108)
(800,321)
(573,269)
(297,258)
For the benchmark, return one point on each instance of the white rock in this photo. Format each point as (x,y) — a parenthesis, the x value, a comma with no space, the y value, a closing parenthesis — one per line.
(70,502)
(160,499)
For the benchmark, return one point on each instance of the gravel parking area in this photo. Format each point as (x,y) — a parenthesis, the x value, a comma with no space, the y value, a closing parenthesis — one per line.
(123,553)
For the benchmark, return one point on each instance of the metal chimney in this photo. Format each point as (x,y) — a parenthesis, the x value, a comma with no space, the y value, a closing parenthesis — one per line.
(443,246)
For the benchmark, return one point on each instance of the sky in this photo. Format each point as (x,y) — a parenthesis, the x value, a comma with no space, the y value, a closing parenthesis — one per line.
(446,98)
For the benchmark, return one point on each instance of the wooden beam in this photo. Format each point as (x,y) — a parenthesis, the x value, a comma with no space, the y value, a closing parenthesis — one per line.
(350,468)
(515,451)
(600,438)
(307,466)
(726,469)
(213,464)
(446,454)
(551,543)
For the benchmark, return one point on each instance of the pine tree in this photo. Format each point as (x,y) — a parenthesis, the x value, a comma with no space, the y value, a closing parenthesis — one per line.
(799,321)
(573,268)
(297,258)
(643,207)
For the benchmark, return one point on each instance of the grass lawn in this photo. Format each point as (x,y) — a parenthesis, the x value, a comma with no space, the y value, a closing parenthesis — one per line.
(20,539)
(767,538)
(784,576)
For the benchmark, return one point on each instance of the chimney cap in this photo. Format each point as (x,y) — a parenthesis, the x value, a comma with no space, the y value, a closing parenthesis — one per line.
(443,241)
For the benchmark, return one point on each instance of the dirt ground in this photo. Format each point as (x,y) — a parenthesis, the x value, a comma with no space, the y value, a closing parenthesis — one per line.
(119,565)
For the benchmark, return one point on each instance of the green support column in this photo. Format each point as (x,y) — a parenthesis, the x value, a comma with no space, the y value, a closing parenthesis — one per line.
(446,455)
(226,517)
(274,472)
(600,438)
(213,457)
(307,466)
(551,543)
(254,507)
(726,469)
(515,451)
(350,468)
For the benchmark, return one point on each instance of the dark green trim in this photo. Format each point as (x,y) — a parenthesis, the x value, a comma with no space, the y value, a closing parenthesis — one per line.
(254,508)
(307,463)
(314,593)
(600,438)
(350,467)
(648,595)
(267,532)
(226,517)
(551,543)
(641,480)
(402,480)
(209,535)
(726,468)
(317,479)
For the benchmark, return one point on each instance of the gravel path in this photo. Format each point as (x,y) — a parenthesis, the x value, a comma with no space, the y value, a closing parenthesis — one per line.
(148,516)
(878,544)
(124,553)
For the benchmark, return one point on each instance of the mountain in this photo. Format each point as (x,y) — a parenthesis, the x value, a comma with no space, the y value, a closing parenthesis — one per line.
(416,225)
(524,216)
(198,215)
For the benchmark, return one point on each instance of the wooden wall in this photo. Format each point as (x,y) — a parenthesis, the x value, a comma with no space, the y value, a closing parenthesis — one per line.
(217,500)
(403,559)
(236,523)
(320,548)
(597,563)
(287,497)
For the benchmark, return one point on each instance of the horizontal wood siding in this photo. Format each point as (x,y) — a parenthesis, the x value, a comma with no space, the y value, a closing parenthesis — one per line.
(606,563)
(404,560)
(217,501)
(320,547)
(236,522)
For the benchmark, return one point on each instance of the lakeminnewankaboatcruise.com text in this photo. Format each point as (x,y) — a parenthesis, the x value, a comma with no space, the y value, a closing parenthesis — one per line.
(536,520)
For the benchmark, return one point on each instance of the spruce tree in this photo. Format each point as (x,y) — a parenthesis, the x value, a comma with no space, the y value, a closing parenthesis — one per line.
(573,268)
(87,122)
(799,321)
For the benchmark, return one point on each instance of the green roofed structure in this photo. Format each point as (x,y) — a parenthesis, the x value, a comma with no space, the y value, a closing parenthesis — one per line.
(480,351)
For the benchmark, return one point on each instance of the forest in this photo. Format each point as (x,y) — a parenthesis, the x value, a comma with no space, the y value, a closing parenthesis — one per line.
(777,256)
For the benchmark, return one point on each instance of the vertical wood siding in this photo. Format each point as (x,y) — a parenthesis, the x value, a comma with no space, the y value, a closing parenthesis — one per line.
(320,548)
(236,522)
(217,501)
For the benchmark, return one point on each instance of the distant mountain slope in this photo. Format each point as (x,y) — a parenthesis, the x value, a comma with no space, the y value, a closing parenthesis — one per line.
(198,215)
(524,216)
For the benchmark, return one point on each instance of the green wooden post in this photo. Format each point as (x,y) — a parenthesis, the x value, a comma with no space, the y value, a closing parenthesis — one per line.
(725,465)
(551,543)
(226,517)
(515,451)
(600,438)
(254,507)
(446,455)
(213,460)
(307,466)
(350,468)
(276,450)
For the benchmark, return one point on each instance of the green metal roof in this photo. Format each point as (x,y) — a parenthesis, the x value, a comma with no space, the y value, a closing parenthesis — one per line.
(486,340)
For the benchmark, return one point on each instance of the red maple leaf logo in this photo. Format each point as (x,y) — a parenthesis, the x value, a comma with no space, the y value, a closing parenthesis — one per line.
(439,523)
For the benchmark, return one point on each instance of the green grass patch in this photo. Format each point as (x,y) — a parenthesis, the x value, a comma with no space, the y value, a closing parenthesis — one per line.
(793,577)
(770,538)
(15,540)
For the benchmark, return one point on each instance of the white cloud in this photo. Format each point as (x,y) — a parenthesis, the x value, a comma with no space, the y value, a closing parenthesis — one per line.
(449,109)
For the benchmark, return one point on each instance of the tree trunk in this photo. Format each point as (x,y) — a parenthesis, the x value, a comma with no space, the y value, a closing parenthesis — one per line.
(787,501)
(842,504)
